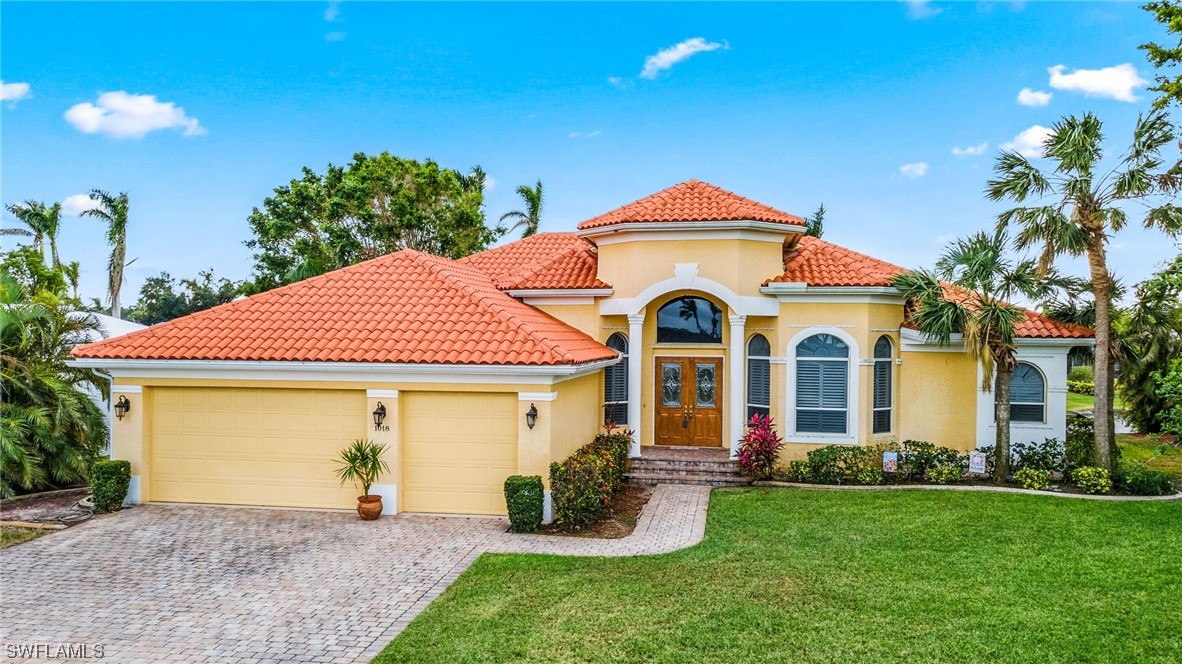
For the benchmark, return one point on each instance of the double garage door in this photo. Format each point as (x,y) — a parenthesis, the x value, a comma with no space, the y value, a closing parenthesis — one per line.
(277,447)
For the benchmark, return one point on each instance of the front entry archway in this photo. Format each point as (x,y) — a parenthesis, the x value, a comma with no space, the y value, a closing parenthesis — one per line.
(688,401)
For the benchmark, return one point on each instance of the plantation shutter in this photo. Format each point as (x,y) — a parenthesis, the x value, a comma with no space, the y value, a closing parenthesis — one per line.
(821,385)
(759,376)
(615,384)
(1027,394)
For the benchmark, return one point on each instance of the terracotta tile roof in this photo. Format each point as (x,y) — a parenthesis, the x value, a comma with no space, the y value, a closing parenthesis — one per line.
(820,263)
(546,260)
(403,307)
(692,200)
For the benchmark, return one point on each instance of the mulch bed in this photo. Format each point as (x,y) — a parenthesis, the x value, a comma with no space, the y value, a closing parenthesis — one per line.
(49,507)
(619,519)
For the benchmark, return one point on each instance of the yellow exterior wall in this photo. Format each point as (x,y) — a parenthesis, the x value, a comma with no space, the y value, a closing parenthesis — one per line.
(938,399)
(583,317)
(577,415)
(740,265)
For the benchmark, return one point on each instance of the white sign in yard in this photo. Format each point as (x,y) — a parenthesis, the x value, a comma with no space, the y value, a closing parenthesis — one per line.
(977,462)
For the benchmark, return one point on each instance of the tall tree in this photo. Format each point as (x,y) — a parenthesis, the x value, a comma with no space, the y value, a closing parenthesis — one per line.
(815,225)
(44,222)
(980,280)
(163,298)
(1076,207)
(1166,57)
(1150,339)
(529,218)
(113,210)
(373,206)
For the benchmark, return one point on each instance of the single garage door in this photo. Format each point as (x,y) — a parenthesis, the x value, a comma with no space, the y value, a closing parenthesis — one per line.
(458,448)
(252,446)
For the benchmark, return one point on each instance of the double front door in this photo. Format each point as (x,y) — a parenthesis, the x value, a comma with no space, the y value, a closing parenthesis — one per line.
(689,401)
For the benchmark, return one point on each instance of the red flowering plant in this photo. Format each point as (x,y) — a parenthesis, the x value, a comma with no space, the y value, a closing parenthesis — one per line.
(759,448)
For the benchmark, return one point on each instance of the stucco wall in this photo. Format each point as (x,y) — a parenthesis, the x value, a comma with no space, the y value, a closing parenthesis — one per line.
(938,398)
(577,414)
(740,264)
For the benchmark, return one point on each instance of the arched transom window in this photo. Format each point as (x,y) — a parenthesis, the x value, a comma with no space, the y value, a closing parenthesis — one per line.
(759,376)
(822,385)
(689,320)
(615,384)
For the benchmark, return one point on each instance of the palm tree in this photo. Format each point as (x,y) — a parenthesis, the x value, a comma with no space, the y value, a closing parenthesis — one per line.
(1074,211)
(968,293)
(113,210)
(43,221)
(528,219)
(72,271)
(815,225)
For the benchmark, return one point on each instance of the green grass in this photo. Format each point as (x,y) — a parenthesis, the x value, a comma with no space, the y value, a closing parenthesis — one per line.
(820,576)
(1153,451)
(1080,402)
(12,535)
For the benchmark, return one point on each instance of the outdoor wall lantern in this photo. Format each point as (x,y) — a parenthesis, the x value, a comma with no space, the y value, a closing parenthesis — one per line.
(379,415)
(531,416)
(122,406)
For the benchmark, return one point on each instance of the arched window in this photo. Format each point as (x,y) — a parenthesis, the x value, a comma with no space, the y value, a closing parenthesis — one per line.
(822,385)
(883,387)
(759,376)
(615,383)
(689,320)
(1028,394)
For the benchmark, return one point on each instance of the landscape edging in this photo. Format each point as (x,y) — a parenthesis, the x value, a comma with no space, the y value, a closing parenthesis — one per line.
(954,487)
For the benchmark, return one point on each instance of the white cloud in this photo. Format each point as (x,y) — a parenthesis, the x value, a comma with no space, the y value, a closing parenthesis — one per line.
(1028,97)
(921,9)
(332,12)
(1116,82)
(75,205)
(1029,142)
(913,171)
(14,92)
(667,57)
(123,115)
(584,134)
(971,151)
(615,80)
(490,182)
(335,36)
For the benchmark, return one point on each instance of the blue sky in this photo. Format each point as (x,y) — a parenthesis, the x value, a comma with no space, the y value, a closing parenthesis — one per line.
(859,106)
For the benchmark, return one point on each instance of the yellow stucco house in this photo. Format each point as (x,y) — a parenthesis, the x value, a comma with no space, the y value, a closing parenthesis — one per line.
(677,316)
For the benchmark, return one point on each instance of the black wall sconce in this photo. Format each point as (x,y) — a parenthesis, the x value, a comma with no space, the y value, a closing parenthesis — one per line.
(379,416)
(531,416)
(122,406)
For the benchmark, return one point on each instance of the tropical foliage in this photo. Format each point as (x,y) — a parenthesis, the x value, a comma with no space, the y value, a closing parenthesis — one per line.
(373,206)
(1149,339)
(1166,57)
(529,218)
(814,226)
(1075,207)
(975,302)
(50,431)
(43,222)
(113,210)
(361,463)
(164,298)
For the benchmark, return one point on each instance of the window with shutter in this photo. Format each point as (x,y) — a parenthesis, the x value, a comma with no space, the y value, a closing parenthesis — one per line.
(615,383)
(759,376)
(883,388)
(1028,401)
(822,385)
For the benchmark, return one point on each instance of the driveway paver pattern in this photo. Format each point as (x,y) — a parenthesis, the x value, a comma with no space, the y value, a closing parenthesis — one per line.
(190,583)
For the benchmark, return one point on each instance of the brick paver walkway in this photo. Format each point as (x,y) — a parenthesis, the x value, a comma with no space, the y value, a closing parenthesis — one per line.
(180,583)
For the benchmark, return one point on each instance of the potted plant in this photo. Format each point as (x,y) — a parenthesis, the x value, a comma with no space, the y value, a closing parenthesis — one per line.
(362,463)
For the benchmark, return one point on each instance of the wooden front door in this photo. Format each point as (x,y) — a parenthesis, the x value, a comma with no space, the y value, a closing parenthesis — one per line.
(689,401)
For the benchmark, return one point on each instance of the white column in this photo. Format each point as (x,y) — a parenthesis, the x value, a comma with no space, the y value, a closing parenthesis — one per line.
(738,372)
(635,359)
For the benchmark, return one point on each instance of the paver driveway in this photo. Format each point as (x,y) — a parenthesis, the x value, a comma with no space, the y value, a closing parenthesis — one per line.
(162,583)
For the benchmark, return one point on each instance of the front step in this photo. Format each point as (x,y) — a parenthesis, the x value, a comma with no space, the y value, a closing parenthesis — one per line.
(682,465)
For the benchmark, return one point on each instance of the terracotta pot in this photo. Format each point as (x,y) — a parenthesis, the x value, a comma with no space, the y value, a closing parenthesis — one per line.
(369,508)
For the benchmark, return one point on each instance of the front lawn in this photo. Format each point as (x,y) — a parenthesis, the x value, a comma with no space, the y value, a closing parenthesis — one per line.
(822,576)
(13,535)
(1153,451)
(1076,401)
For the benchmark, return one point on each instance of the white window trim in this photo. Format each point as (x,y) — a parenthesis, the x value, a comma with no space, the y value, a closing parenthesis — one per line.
(890,407)
(747,388)
(853,407)
(1042,403)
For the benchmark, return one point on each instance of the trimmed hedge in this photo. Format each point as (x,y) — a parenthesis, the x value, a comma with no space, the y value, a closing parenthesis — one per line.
(525,498)
(1081,387)
(108,483)
(582,486)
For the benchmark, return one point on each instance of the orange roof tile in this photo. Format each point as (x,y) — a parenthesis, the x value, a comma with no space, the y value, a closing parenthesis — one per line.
(546,260)
(405,307)
(819,263)
(692,200)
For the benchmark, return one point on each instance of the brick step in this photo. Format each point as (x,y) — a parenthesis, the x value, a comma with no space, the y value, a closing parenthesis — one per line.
(673,472)
(685,453)
(699,479)
(685,464)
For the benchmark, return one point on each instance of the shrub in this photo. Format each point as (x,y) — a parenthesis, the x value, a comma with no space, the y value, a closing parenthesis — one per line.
(108,483)
(1047,455)
(798,471)
(1137,479)
(918,458)
(525,498)
(1034,478)
(1083,374)
(1081,438)
(583,484)
(844,464)
(1092,479)
(869,475)
(946,474)
(1081,387)
(759,448)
